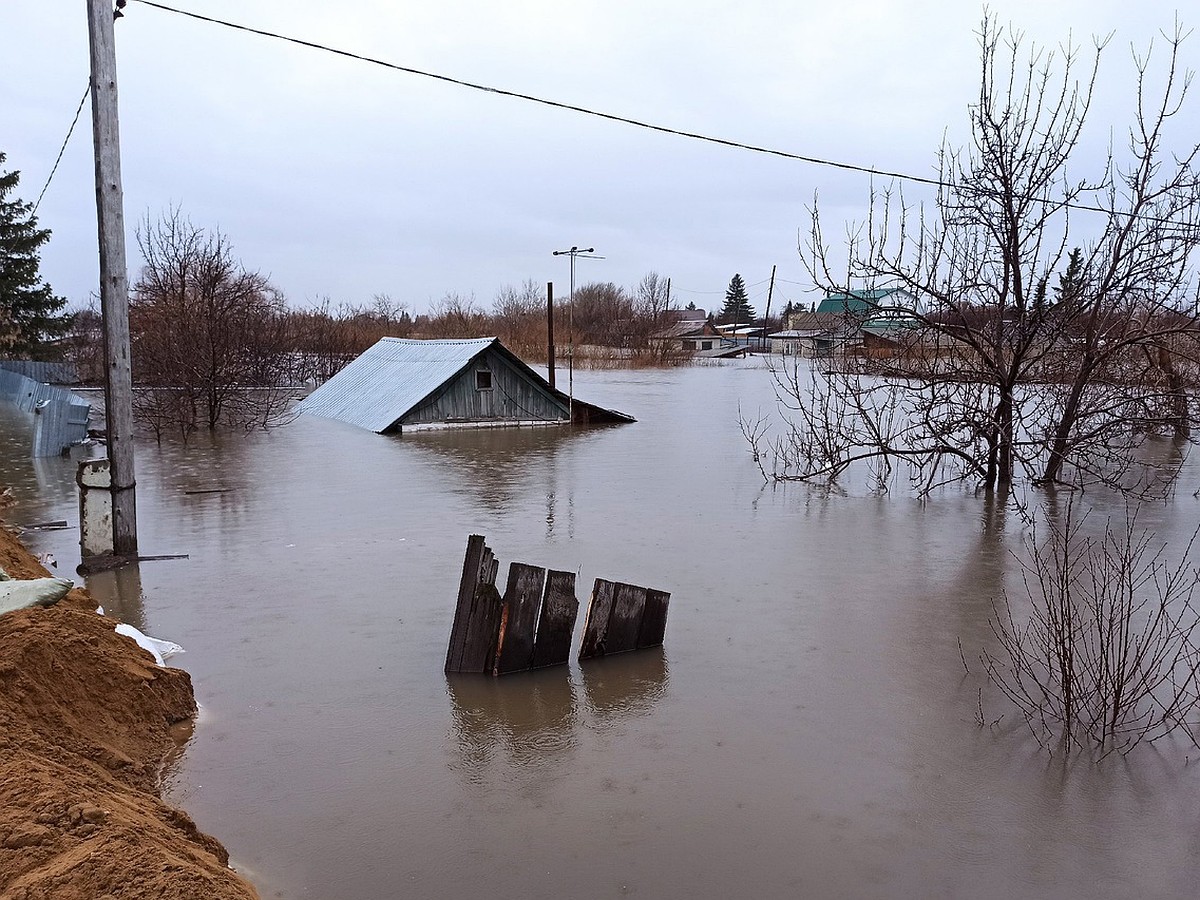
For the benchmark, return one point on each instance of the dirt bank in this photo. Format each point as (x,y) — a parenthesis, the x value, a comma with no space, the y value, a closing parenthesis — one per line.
(84,725)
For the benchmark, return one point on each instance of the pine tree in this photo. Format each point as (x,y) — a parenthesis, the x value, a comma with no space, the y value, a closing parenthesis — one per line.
(31,317)
(1071,283)
(737,305)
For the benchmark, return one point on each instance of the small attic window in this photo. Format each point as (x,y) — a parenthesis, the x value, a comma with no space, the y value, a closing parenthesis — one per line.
(483,380)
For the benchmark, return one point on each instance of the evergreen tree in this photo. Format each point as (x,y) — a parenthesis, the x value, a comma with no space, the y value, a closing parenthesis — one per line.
(1039,296)
(737,305)
(1072,282)
(31,317)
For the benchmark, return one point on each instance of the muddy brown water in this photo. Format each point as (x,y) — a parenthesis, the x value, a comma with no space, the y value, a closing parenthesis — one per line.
(807,730)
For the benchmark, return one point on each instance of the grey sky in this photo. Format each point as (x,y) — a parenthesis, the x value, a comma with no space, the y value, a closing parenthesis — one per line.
(341,179)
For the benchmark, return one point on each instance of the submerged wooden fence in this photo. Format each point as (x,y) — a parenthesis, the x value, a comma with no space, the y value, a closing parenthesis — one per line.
(527,628)
(530,626)
(623,617)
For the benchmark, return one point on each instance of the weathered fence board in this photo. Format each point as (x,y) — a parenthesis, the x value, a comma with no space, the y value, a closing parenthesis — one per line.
(557,621)
(623,617)
(478,612)
(595,628)
(625,620)
(522,601)
(654,619)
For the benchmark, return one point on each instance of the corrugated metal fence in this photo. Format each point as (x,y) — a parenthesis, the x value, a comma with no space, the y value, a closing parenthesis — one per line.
(45,372)
(62,417)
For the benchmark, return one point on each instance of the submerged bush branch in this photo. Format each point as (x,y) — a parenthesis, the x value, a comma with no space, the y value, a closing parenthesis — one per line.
(1106,657)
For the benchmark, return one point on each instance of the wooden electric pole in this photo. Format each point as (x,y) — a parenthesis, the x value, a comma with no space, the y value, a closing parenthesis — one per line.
(114,277)
(767,316)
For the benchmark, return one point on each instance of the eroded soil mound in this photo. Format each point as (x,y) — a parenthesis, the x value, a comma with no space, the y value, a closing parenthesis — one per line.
(84,725)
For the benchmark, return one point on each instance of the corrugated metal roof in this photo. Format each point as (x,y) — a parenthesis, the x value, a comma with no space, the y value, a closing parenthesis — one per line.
(390,378)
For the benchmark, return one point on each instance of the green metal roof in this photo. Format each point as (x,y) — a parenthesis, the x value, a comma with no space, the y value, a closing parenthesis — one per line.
(858,302)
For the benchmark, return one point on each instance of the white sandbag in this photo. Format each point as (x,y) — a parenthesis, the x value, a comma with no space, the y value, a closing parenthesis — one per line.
(159,649)
(18,593)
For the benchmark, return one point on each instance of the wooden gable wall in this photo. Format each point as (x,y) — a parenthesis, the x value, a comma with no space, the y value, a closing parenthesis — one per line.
(515,396)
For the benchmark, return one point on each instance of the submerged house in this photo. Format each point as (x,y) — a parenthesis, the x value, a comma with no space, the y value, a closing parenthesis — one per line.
(400,384)
(694,337)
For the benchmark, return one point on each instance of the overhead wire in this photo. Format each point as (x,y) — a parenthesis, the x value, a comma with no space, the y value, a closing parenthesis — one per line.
(638,123)
(62,149)
(556,104)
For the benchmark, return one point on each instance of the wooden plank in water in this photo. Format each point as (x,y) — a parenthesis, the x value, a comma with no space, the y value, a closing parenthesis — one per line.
(595,628)
(466,591)
(487,609)
(522,601)
(479,569)
(556,623)
(625,620)
(654,619)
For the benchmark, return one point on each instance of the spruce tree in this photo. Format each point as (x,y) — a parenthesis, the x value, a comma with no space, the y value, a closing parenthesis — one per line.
(1071,283)
(737,305)
(31,317)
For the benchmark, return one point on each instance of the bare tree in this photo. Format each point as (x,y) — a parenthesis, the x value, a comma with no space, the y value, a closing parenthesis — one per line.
(1107,656)
(519,319)
(653,312)
(602,314)
(998,378)
(326,338)
(458,316)
(210,339)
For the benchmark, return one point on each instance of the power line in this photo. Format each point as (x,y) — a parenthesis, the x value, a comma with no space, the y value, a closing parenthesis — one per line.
(62,149)
(612,117)
(650,126)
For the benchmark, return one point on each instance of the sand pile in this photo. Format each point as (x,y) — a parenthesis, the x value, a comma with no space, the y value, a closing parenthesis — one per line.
(85,721)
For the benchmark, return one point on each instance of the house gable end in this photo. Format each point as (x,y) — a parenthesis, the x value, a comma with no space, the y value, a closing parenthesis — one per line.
(511,393)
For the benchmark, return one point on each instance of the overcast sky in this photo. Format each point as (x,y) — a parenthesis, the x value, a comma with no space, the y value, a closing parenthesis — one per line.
(341,179)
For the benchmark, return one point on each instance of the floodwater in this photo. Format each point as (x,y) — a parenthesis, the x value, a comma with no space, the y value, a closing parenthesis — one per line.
(807,731)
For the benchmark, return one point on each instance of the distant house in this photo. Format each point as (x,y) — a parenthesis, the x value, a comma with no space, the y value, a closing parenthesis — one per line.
(697,337)
(399,385)
(786,342)
(883,338)
(846,321)
(867,304)
(817,334)
(743,335)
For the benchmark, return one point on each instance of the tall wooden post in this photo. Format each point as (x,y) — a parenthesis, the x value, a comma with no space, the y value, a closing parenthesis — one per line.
(550,331)
(767,316)
(114,277)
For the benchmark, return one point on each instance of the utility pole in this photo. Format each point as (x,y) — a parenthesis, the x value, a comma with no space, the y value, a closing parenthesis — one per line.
(114,276)
(573,253)
(550,331)
(767,317)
